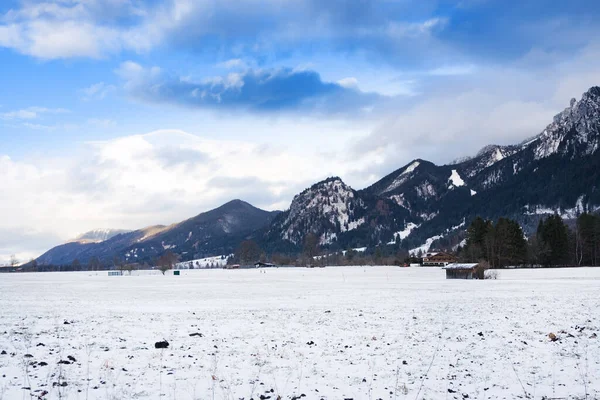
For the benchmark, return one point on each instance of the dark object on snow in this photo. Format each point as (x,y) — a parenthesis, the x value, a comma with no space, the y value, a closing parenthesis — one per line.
(28,356)
(461,271)
(71,358)
(196,334)
(3,352)
(311,343)
(552,337)
(43,364)
(480,333)
(66,323)
(64,362)
(40,344)
(161,345)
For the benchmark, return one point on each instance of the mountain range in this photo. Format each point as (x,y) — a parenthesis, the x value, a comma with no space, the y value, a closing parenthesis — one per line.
(415,207)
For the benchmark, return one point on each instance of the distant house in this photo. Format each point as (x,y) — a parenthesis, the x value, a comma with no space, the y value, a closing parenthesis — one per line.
(461,271)
(263,265)
(438,259)
(233,266)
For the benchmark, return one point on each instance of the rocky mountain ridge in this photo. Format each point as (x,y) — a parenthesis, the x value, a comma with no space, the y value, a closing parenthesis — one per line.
(417,206)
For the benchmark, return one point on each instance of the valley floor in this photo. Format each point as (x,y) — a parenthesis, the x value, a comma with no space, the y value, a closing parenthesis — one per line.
(332,333)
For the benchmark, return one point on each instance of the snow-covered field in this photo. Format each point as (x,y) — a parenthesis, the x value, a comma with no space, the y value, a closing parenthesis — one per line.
(332,333)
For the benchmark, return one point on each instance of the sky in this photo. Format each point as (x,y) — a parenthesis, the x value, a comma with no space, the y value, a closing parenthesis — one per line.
(129,113)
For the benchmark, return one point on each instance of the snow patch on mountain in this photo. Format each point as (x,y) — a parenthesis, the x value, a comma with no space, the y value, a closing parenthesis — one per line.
(425,190)
(428,217)
(455,179)
(473,193)
(352,225)
(403,234)
(400,200)
(403,177)
(424,248)
(327,238)
(567,213)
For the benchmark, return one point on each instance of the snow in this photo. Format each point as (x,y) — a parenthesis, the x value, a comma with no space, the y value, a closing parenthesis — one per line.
(497,156)
(403,234)
(400,200)
(455,179)
(425,190)
(424,248)
(332,199)
(462,243)
(403,177)
(217,261)
(460,266)
(328,238)
(430,216)
(568,213)
(375,330)
(354,224)
(473,193)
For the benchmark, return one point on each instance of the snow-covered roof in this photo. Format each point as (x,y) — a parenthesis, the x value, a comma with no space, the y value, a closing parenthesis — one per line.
(461,266)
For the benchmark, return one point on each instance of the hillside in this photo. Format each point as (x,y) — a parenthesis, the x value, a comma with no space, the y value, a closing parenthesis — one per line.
(217,231)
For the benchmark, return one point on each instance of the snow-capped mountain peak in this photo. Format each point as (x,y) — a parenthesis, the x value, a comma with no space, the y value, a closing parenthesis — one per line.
(403,176)
(326,208)
(98,235)
(575,130)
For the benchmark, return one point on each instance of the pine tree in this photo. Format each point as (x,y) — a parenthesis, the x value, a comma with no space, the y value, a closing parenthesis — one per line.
(587,238)
(478,240)
(553,233)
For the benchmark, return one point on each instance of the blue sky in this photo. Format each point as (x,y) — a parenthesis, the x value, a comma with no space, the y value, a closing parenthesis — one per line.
(124,113)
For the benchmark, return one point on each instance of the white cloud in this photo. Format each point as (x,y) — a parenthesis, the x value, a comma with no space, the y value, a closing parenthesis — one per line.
(234,63)
(160,177)
(31,113)
(497,105)
(349,83)
(97,91)
(74,28)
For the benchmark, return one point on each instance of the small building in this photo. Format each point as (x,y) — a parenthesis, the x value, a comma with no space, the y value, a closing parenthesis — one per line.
(438,259)
(461,271)
(115,273)
(233,266)
(263,265)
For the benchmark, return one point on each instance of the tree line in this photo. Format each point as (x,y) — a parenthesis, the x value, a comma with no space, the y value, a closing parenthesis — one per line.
(501,244)
(554,243)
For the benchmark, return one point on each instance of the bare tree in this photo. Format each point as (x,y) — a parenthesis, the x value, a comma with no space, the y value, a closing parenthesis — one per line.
(119,264)
(166,262)
(14,261)
(311,246)
(130,267)
(94,264)
(248,252)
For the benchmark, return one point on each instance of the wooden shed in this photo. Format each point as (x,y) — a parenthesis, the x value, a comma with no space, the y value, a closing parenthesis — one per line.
(461,271)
